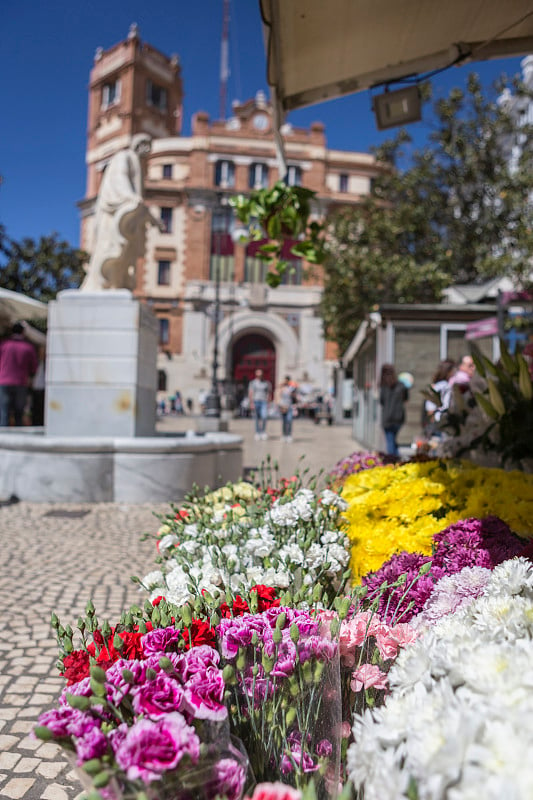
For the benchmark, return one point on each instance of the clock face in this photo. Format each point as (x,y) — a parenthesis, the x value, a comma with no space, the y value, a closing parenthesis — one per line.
(260,122)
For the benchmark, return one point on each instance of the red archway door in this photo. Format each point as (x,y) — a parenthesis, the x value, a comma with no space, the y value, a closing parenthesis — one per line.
(250,352)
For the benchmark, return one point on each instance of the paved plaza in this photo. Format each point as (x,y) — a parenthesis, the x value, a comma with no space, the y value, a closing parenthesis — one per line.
(57,557)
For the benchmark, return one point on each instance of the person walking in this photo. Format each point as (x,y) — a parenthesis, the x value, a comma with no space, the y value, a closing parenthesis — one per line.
(285,400)
(18,364)
(259,395)
(392,396)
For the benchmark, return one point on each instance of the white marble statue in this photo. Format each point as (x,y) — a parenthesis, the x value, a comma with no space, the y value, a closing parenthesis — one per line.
(121,217)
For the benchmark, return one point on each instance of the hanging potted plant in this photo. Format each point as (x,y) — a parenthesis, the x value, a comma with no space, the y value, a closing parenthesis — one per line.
(276,216)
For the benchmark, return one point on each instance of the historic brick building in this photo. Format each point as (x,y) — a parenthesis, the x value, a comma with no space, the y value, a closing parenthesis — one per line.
(135,88)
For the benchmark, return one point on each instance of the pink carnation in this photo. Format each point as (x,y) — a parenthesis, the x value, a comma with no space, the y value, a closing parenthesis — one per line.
(354,633)
(275,791)
(368,676)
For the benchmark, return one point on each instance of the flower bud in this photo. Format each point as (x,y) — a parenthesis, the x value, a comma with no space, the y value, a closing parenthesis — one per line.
(54,621)
(128,676)
(44,733)
(295,632)
(267,662)
(101,780)
(97,689)
(345,607)
(78,701)
(317,593)
(276,636)
(93,766)
(228,675)
(186,616)
(290,716)
(307,670)
(98,674)
(255,639)
(241,659)
(281,620)
(151,674)
(89,609)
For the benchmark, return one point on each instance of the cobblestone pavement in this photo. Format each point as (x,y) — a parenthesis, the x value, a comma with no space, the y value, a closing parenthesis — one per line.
(54,558)
(57,557)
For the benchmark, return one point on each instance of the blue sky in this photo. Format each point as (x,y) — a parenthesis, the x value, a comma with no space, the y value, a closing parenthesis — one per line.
(46,55)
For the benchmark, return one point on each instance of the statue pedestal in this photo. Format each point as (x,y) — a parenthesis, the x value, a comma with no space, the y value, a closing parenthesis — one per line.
(101,365)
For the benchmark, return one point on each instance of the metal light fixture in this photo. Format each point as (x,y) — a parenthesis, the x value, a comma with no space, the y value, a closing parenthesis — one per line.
(397,108)
(213,404)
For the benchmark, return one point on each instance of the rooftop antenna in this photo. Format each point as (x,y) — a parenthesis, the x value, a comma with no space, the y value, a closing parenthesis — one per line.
(224,60)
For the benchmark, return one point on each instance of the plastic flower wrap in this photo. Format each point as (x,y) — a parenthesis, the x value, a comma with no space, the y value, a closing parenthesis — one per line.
(459,715)
(154,724)
(283,670)
(294,537)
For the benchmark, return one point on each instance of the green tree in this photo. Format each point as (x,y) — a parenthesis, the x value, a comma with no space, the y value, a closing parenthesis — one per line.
(40,269)
(456,211)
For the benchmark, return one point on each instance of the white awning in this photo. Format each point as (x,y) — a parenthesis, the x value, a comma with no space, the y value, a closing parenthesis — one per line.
(15,306)
(321,49)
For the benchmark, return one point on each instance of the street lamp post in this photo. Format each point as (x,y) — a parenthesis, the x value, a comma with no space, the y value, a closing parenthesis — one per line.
(213,404)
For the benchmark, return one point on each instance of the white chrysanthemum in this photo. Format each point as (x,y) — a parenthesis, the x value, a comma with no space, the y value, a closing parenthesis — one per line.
(503,616)
(512,577)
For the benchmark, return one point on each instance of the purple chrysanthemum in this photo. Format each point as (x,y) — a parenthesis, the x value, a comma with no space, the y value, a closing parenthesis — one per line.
(356,462)
(475,543)
(399,603)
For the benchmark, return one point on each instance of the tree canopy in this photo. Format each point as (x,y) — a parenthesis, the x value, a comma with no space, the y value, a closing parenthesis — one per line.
(459,210)
(40,269)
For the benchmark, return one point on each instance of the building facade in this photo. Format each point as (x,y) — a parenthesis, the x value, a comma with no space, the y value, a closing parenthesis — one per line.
(195,264)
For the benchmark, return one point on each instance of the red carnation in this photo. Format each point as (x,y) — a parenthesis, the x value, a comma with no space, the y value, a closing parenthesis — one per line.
(132,645)
(239,608)
(157,600)
(76,666)
(199,633)
(266,597)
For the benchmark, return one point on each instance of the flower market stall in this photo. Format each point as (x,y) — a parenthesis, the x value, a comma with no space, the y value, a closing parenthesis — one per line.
(367,637)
